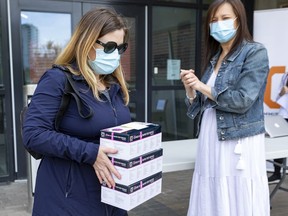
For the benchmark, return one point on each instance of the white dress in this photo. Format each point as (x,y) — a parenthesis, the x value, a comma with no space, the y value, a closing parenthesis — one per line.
(230,177)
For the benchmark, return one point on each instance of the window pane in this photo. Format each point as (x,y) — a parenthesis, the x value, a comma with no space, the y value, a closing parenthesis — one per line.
(128,61)
(43,37)
(186,1)
(268,4)
(173,44)
(169,110)
(1,52)
(173,48)
(3,143)
(128,57)
(204,16)
(207,1)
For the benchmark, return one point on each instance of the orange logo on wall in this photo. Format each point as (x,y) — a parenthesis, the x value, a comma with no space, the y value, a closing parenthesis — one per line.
(267,97)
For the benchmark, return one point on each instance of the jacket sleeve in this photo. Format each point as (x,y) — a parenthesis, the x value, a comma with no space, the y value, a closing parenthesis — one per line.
(193,109)
(39,134)
(251,81)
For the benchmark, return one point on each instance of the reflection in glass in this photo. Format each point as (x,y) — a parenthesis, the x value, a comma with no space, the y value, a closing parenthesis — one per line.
(204,15)
(174,32)
(42,41)
(264,4)
(186,1)
(128,57)
(1,52)
(128,63)
(173,48)
(169,110)
(3,145)
(207,1)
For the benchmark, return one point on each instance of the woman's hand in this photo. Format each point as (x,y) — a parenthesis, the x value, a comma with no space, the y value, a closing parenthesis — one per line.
(192,83)
(104,168)
(283,91)
(189,79)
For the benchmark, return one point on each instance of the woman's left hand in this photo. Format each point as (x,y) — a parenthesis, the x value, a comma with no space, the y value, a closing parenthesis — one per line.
(104,168)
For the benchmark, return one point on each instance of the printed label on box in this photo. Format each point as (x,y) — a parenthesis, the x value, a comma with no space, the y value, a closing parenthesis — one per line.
(127,151)
(128,189)
(137,160)
(131,131)
(132,200)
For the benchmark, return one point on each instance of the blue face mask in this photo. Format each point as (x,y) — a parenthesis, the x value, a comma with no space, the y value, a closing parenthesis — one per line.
(223,31)
(105,63)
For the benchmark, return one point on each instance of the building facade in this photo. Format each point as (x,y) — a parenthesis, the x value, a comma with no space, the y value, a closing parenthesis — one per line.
(166,35)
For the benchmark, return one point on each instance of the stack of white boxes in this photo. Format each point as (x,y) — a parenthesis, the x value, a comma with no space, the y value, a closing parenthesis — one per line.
(139,161)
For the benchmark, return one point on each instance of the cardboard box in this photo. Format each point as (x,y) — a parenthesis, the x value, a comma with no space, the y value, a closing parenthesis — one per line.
(128,197)
(131,143)
(138,168)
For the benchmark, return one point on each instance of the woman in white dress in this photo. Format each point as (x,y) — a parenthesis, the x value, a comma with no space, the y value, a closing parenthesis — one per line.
(230,172)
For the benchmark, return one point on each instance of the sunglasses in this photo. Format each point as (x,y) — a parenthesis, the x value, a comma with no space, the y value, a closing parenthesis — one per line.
(110,46)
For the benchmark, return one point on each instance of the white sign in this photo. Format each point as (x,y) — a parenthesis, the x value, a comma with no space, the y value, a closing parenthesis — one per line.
(271,29)
(173,69)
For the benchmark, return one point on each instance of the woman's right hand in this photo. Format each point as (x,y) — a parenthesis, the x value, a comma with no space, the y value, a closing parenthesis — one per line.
(283,91)
(189,79)
(192,83)
(104,168)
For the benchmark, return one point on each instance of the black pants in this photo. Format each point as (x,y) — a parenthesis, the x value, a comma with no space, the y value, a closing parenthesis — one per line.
(280,161)
(278,168)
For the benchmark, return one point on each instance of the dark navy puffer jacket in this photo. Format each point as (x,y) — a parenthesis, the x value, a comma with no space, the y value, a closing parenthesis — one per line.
(66,182)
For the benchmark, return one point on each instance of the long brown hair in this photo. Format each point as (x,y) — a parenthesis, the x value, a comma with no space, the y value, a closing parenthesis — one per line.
(211,45)
(93,25)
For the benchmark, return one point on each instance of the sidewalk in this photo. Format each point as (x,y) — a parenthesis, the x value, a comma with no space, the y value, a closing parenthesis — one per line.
(176,187)
(14,199)
(173,201)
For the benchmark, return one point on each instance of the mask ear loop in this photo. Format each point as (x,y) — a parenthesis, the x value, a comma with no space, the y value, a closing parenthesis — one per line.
(238,150)
(234,21)
(95,54)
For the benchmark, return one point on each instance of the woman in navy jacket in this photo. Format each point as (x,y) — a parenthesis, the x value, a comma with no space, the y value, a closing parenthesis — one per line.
(74,165)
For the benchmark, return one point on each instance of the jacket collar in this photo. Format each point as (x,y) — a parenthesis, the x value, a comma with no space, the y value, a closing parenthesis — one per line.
(114,88)
(233,55)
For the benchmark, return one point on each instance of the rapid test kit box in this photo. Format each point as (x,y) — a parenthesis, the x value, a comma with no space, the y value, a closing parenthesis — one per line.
(138,168)
(129,196)
(132,139)
(139,160)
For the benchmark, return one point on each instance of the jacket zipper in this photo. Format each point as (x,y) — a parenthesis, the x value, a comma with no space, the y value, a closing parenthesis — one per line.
(113,109)
(68,181)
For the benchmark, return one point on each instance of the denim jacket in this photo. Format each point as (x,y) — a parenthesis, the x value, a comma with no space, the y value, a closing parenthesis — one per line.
(238,92)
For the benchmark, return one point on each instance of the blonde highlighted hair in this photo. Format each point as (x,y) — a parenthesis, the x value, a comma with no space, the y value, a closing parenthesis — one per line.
(93,25)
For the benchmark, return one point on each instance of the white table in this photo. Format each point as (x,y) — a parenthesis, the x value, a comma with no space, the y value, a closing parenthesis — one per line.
(180,155)
(277,148)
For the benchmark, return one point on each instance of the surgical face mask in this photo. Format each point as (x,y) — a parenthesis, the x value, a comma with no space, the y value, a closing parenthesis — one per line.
(223,31)
(105,63)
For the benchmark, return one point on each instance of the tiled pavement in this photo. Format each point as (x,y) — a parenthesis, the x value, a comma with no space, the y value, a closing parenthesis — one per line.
(14,199)
(173,201)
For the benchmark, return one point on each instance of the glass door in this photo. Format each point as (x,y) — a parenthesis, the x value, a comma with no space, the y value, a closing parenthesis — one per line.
(173,48)
(133,60)
(35,44)
(6,141)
